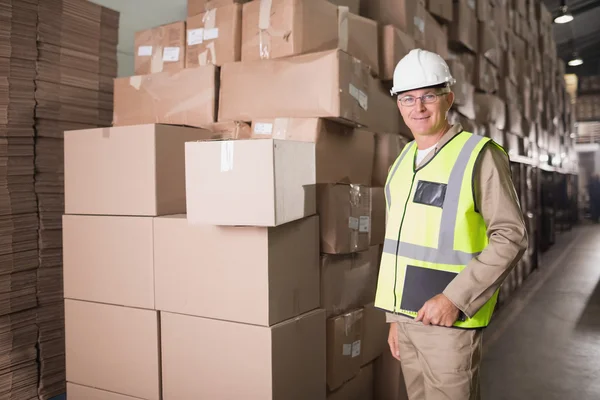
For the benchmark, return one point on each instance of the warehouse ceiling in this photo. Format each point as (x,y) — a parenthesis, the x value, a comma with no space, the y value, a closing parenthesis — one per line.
(581,35)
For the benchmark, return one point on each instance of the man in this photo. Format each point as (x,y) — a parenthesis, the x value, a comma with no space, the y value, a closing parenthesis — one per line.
(454,231)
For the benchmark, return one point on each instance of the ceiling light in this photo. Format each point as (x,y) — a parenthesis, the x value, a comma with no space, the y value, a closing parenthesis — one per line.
(564,17)
(575,62)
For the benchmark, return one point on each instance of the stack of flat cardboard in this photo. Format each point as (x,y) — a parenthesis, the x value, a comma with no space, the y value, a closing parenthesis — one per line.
(18,207)
(75,66)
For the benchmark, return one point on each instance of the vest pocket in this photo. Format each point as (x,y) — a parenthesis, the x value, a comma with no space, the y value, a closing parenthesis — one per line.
(422,284)
(430,193)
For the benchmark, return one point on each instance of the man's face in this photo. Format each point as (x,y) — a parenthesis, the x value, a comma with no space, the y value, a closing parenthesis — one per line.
(426,116)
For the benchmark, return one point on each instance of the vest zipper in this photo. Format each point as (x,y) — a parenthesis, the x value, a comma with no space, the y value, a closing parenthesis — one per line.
(398,241)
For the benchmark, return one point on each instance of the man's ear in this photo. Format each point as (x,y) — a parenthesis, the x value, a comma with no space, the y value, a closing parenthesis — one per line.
(450,99)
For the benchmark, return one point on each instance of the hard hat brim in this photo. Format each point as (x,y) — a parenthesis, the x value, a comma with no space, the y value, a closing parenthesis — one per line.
(397,90)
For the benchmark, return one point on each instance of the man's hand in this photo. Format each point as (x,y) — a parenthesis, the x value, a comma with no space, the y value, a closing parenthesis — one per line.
(438,311)
(393,340)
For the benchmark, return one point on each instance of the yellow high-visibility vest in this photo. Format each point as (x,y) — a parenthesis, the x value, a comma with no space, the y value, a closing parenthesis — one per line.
(433,228)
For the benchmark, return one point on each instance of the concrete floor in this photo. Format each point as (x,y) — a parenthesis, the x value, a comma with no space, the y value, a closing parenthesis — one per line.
(545,344)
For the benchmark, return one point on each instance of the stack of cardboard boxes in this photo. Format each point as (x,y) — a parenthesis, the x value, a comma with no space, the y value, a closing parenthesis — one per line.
(588,98)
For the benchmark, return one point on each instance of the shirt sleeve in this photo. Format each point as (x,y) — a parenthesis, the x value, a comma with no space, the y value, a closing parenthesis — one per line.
(497,200)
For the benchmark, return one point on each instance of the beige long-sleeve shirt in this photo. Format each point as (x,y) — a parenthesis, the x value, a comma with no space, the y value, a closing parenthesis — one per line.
(497,201)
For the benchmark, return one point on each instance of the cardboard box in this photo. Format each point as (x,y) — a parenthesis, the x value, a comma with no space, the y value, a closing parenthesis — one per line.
(263,182)
(406,15)
(395,44)
(490,109)
(345,218)
(375,334)
(508,91)
(160,49)
(285,362)
(196,7)
(353,5)
(526,98)
(469,62)
(356,36)
(348,281)
(133,170)
(378,212)
(384,116)
(105,343)
(388,147)
(436,37)
(483,10)
(467,104)
(509,69)
(488,44)
(514,144)
(486,78)
(329,84)
(186,97)
(359,388)
(214,37)
(514,119)
(460,74)
(109,260)
(343,154)
(389,380)
(275,270)
(463,29)
(344,346)
(78,392)
(280,28)
(441,9)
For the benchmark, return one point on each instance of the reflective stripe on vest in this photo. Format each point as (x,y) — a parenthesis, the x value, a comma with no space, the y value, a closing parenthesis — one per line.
(445,240)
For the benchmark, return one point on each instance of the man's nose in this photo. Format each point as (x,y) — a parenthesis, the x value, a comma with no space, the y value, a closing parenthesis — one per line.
(419,105)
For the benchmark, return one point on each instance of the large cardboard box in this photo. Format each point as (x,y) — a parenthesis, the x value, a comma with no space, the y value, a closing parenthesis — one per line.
(389,380)
(196,7)
(384,116)
(214,37)
(486,78)
(329,84)
(463,29)
(490,109)
(109,260)
(467,104)
(280,28)
(388,147)
(356,36)
(200,358)
(378,213)
(78,392)
(107,343)
(508,91)
(348,281)
(375,334)
(264,182)
(459,73)
(186,97)
(359,388)
(436,37)
(353,5)
(489,46)
(133,170)
(274,270)
(345,218)
(394,45)
(343,154)
(441,9)
(406,15)
(160,49)
(344,346)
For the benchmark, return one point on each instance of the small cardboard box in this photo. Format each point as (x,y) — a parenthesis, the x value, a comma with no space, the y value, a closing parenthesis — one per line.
(344,348)
(395,44)
(160,49)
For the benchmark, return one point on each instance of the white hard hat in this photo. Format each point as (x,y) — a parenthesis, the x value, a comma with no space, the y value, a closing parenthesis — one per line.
(420,69)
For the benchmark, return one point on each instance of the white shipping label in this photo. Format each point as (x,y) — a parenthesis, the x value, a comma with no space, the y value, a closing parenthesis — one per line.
(263,128)
(210,34)
(364,224)
(145,51)
(363,100)
(420,24)
(347,350)
(356,349)
(171,54)
(227,156)
(195,36)
(353,223)
(354,91)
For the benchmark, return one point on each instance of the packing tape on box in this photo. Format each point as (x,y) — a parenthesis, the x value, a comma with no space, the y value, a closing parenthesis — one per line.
(343,27)
(280,128)
(227,155)
(265,33)
(156,63)
(136,81)
(208,56)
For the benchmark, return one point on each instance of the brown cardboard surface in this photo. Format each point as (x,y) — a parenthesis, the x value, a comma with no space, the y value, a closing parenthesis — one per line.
(463,28)
(344,348)
(388,147)
(214,37)
(106,343)
(186,97)
(458,72)
(359,388)
(441,9)
(483,10)
(378,212)
(406,15)
(160,49)
(514,119)
(78,392)
(490,109)
(281,28)
(375,334)
(486,78)
(264,182)
(345,218)
(495,134)
(489,46)
(467,105)
(509,67)
(389,380)
(394,44)
(348,281)
(384,116)
(353,5)
(109,260)
(275,270)
(134,170)
(196,7)
(328,84)
(284,362)
(357,36)
(436,38)
(509,91)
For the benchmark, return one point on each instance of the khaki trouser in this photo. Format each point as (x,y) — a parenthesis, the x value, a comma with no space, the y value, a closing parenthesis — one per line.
(440,363)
